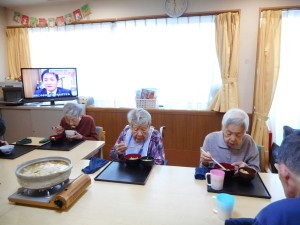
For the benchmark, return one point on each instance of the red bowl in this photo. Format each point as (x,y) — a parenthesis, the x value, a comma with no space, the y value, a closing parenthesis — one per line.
(132,159)
(229,172)
(56,139)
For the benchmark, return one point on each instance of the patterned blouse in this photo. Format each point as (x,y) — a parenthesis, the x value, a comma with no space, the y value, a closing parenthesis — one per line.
(155,149)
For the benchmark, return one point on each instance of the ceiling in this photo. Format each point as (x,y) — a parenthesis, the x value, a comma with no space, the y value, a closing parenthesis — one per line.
(19,3)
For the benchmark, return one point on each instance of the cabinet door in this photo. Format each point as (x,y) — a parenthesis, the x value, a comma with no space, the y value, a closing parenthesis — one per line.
(43,120)
(18,124)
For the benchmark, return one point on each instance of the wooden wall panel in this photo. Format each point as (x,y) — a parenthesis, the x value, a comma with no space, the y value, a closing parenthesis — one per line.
(184,133)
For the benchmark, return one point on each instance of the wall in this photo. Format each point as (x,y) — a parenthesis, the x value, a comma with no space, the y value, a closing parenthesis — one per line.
(128,8)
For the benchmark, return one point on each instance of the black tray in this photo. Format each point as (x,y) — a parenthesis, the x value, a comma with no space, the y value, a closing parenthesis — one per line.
(65,145)
(18,151)
(237,186)
(119,172)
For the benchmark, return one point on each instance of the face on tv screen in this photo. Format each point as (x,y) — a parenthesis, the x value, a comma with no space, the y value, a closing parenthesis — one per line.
(49,82)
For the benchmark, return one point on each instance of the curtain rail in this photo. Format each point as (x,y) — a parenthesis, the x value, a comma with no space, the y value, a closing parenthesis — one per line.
(280,8)
(139,18)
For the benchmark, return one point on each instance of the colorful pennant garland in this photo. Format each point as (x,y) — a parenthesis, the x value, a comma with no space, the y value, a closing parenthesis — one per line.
(69,18)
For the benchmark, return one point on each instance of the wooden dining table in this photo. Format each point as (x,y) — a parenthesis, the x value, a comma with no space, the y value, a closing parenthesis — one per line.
(171,195)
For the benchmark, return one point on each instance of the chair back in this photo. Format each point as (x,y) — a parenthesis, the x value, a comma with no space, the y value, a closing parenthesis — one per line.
(101,133)
(162,132)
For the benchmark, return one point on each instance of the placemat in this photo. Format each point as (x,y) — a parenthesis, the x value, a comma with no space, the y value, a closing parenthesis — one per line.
(237,186)
(119,172)
(18,151)
(65,145)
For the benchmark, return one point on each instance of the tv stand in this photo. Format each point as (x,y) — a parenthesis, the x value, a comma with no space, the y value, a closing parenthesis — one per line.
(31,121)
(52,103)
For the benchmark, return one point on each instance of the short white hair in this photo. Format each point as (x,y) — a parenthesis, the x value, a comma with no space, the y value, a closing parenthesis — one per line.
(72,109)
(237,117)
(139,116)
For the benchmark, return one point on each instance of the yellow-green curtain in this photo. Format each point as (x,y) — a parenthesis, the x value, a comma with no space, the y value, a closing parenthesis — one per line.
(227,45)
(18,51)
(267,70)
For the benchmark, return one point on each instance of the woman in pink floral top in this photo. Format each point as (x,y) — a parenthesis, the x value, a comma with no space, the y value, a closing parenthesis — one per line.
(140,138)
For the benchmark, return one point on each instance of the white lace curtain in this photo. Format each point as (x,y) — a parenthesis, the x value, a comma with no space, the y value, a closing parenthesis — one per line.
(114,60)
(285,109)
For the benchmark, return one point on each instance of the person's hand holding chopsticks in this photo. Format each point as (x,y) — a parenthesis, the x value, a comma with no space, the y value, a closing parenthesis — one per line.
(205,157)
(121,147)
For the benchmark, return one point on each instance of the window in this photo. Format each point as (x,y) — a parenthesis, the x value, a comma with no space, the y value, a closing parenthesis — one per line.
(177,56)
(285,109)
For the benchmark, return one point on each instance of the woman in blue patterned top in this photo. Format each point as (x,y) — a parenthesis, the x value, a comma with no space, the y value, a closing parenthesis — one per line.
(139,137)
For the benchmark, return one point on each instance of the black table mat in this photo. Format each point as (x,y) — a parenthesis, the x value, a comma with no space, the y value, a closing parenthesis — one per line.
(119,172)
(18,151)
(65,145)
(237,186)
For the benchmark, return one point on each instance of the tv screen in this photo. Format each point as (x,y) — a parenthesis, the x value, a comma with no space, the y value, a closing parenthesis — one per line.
(49,84)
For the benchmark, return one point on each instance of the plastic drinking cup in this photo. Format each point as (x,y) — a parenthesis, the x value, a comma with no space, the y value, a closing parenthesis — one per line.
(216,179)
(225,203)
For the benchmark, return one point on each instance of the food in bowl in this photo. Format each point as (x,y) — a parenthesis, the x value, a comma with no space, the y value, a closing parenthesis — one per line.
(132,159)
(44,168)
(70,133)
(147,161)
(230,170)
(43,172)
(56,139)
(132,156)
(7,149)
(246,173)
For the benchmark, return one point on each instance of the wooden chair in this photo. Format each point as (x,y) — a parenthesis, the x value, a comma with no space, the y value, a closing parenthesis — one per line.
(101,136)
(162,132)
(101,133)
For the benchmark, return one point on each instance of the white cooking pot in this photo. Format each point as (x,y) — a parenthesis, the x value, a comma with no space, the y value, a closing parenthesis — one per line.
(43,181)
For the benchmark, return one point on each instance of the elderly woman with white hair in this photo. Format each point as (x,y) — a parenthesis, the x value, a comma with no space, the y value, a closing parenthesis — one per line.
(139,137)
(232,144)
(84,125)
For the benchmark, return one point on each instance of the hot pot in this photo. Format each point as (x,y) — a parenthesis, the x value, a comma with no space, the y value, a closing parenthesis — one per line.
(56,170)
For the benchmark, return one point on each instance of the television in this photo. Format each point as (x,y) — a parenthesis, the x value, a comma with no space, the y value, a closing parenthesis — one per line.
(49,84)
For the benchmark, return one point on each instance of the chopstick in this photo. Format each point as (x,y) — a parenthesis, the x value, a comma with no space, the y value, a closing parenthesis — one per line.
(214,160)
(133,146)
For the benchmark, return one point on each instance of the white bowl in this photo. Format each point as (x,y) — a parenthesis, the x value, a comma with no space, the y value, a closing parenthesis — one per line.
(7,149)
(70,133)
